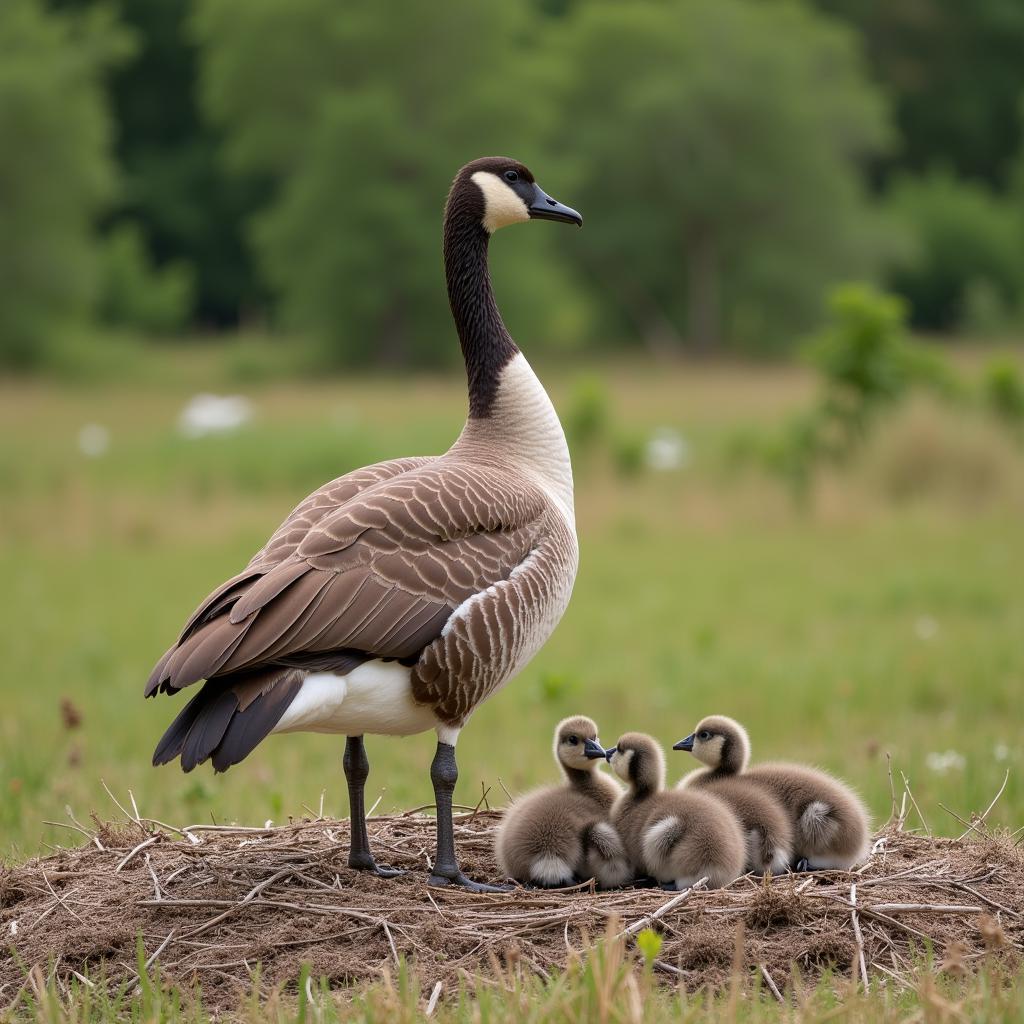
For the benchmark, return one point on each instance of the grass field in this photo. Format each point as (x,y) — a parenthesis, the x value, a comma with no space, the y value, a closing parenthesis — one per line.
(885,615)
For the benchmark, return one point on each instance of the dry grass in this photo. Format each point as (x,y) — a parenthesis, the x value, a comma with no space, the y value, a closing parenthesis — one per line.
(240,909)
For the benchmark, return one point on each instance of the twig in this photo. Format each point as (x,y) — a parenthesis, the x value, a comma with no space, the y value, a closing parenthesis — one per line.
(671,904)
(156,881)
(923,908)
(970,827)
(892,790)
(858,938)
(906,786)
(981,819)
(391,941)
(432,1001)
(145,842)
(770,982)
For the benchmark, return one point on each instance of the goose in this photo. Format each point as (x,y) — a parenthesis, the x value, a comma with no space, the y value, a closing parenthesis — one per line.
(676,836)
(398,597)
(558,835)
(829,821)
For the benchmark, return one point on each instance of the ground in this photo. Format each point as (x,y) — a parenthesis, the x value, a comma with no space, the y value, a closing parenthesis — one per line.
(883,615)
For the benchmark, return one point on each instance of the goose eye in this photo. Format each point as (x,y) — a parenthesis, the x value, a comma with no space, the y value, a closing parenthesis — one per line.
(703,735)
(572,741)
(512,176)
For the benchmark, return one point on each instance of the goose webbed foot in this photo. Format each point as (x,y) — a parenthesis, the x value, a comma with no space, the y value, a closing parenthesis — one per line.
(363,861)
(457,878)
(803,864)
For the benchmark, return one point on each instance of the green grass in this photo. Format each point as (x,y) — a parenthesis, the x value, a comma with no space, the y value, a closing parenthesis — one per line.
(885,617)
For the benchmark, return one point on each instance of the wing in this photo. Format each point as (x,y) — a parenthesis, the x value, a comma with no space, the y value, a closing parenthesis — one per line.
(377,575)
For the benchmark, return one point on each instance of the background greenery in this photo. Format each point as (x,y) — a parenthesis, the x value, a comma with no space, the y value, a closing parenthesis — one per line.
(182,164)
(816,526)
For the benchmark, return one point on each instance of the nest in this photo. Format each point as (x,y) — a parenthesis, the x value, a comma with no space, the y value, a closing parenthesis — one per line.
(232,909)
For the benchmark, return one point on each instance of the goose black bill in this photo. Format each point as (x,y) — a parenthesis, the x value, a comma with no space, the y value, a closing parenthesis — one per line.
(543,207)
(594,750)
(686,744)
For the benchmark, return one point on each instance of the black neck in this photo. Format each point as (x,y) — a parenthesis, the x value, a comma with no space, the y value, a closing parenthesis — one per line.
(581,779)
(486,344)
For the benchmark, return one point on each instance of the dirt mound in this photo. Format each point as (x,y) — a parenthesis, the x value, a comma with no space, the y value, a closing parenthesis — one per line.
(231,908)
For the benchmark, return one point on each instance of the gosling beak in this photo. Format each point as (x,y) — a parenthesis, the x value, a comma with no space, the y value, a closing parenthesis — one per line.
(686,744)
(593,749)
(608,753)
(543,207)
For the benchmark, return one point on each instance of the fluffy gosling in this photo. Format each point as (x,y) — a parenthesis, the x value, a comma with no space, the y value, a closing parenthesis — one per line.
(829,821)
(560,835)
(675,836)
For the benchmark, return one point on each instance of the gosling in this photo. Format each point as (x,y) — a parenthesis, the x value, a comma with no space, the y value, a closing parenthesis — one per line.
(829,821)
(675,836)
(559,835)
(765,821)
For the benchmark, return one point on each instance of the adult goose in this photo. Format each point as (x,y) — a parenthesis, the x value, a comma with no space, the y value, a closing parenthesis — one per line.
(397,598)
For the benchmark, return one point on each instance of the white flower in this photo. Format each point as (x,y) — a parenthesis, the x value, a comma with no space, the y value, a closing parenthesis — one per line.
(947,760)
(213,414)
(1001,752)
(666,449)
(926,627)
(93,440)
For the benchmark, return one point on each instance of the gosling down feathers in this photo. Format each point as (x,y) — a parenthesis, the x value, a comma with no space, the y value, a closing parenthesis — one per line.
(829,821)
(675,836)
(398,597)
(559,835)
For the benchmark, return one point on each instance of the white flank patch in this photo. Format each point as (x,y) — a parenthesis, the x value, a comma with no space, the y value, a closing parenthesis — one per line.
(501,204)
(654,837)
(374,698)
(551,870)
(781,861)
(754,849)
(815,821)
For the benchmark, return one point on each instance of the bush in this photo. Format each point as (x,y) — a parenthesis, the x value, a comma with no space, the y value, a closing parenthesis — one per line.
(1002,392)
(965,263)
(134,293)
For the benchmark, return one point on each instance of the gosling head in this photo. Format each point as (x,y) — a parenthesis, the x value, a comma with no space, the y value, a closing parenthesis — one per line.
(720,743)
(637,759)
(577,747)
(497,191)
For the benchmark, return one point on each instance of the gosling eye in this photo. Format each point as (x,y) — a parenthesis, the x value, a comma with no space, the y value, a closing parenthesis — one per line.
(703,735)
(572,740)
(512,176)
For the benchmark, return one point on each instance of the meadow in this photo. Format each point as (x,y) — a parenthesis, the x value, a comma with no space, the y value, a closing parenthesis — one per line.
(882,616)
(879,617)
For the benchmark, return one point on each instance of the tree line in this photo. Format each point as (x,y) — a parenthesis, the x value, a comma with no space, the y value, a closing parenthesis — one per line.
(176,166)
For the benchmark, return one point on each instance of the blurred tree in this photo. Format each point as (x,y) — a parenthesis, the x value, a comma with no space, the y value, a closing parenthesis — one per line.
(185,208)
(715,144)
(955,73)
(360,115)
(56,170)
(966,241)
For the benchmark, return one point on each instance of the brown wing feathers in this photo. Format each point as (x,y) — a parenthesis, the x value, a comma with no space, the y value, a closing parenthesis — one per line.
(376,576)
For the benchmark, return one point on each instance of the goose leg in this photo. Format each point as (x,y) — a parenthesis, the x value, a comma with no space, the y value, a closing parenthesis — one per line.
(357,768)
(444,772)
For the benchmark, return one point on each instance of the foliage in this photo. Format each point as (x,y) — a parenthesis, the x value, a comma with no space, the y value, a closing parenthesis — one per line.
(1002,392)
(967,249)
(954,74)
(866,365)
(56,170)
(737,188)
(133,293)
(360,156)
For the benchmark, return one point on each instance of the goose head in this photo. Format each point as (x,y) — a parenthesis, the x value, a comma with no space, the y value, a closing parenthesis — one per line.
(719,742)
(577,747)
(638,760)
(497,191)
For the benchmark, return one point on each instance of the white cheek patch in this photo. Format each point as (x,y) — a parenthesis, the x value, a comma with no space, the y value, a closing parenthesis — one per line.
(501,205)
(711,751)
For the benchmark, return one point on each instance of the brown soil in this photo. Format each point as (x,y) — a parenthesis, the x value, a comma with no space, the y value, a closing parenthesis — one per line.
(214,903)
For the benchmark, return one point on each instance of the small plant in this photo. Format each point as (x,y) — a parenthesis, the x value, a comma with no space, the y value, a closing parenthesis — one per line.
(589,413)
